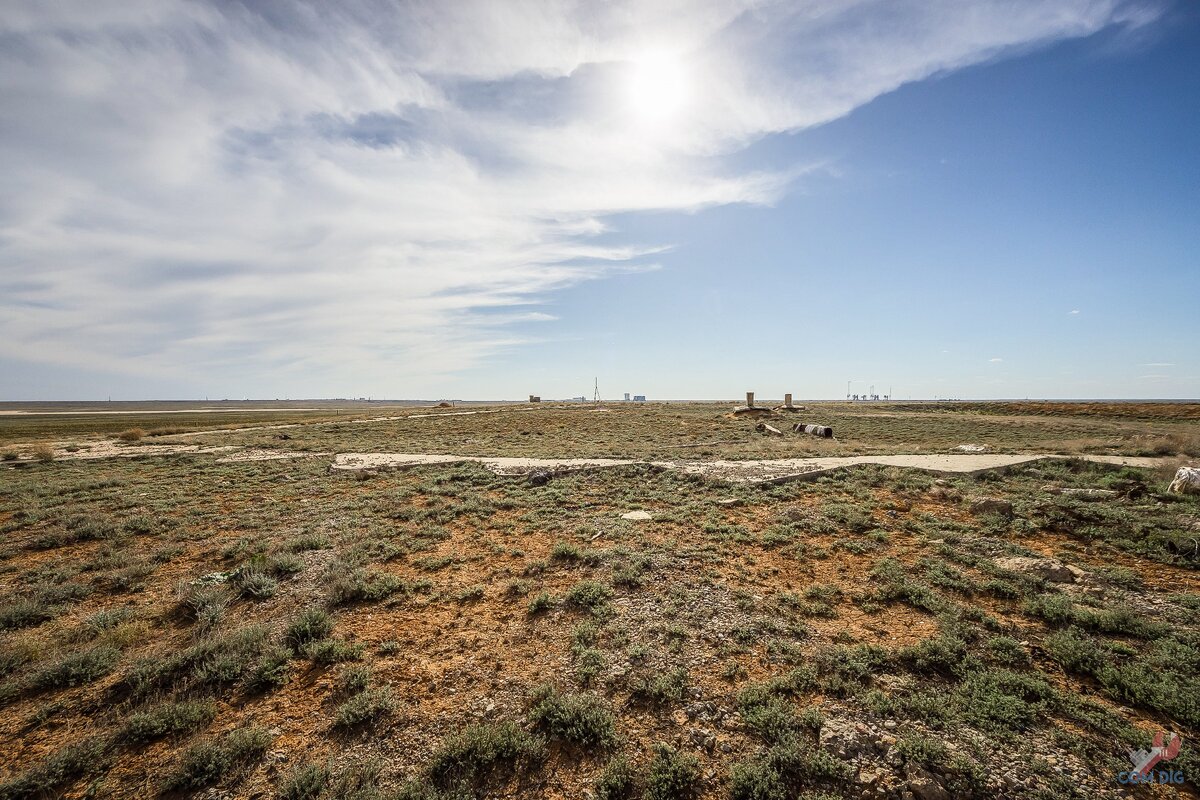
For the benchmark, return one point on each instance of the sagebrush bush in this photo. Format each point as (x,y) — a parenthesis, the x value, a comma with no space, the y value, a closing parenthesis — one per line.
(76,669)
(366,706)
(579,719)
(474,754)
(311,625)
(673,775)
(170,719)
(209,762)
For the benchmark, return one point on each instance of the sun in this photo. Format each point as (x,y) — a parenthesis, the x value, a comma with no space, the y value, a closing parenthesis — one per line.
(658,88)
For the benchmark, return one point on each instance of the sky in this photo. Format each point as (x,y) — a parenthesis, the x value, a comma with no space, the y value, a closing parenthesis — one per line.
(687,200)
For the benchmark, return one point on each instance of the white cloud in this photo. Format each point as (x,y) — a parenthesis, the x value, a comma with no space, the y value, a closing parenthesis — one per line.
(295,196)
(1073,312)
(995,360)
(1158,364)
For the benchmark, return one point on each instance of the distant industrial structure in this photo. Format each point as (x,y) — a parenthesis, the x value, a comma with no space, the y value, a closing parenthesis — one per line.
(627,397)
(533,398)
(639,398)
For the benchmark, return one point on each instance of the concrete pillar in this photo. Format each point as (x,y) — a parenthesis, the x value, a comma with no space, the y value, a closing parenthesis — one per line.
(749,399)
(787,400)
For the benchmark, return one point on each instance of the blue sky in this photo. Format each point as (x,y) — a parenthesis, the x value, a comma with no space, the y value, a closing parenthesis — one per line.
(967,199)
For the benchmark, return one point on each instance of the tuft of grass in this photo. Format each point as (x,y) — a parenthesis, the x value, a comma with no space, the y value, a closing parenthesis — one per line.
(205,605)
(76,669)
(333,651)
(616,781)
(311,625)
(304,782)
(211,761)
(365,707)
(579,719)
(673,775)
(271,671)
(543,602)
(23,612)
(132,435)
(43,452)
(57,770)
(362,585)
(170,719)
(255,584)
(474,755)
(589,595)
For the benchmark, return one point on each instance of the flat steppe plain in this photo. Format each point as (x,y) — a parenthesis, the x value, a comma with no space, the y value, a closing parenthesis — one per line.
(208,609)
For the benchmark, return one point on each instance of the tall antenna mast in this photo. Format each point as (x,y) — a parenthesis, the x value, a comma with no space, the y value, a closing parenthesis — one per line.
(596,396)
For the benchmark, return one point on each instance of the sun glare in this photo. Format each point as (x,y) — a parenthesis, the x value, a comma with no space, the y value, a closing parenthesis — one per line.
(658,88)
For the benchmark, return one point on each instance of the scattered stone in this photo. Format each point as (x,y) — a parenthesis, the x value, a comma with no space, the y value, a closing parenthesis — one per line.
(729,501)
(636,515)
(1045,568)
(846,739)
(539,478)
(924,786)
(971,448)
(991,505)
(212,579)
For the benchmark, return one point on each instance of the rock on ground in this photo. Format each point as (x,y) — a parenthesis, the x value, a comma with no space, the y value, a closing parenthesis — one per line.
(1187,481)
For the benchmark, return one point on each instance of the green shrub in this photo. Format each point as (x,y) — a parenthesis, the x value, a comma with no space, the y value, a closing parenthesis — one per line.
(661,688)
(171,719)
(543,602)
(311,625)
(362,585)
(23,613)
(76,669)
(304,782)
(271,671)
(672,775)
(209,762)
(616,781)
(255,585)
(944,655)
(352,680)
(57,770)
(366,706)
(785,765)
(589,595)
(333,651)
(1001,699)
(579,719)
(472,756)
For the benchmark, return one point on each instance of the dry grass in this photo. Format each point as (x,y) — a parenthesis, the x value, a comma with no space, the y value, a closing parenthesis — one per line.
(160,606)
(132,435)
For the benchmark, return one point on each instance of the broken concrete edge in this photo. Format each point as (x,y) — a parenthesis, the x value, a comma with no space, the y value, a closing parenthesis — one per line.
(719,474)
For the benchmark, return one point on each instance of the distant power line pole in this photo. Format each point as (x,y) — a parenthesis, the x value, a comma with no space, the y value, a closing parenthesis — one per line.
(596,393)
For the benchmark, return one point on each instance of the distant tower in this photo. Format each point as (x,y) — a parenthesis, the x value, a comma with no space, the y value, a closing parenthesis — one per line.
(596,395)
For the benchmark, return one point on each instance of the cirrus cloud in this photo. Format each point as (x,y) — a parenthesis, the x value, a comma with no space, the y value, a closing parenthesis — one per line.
(294,195)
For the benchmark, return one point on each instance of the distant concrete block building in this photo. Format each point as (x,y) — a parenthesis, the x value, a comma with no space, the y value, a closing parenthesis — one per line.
(627,397)
(533,398)
(639,398)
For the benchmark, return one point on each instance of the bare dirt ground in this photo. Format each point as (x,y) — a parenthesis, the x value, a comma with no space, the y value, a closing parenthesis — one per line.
(222,615)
